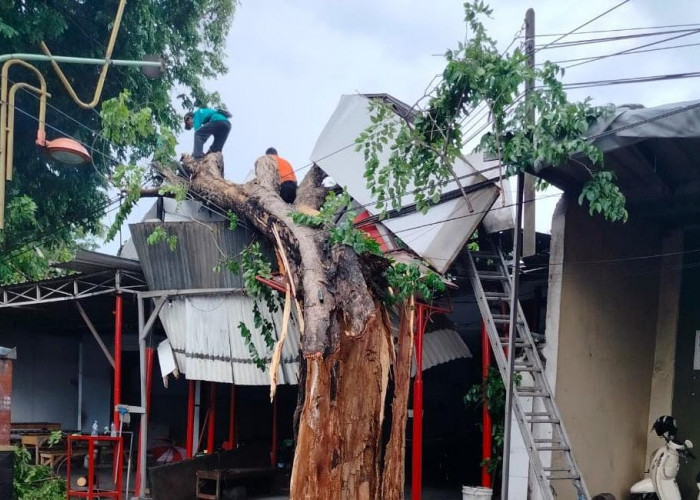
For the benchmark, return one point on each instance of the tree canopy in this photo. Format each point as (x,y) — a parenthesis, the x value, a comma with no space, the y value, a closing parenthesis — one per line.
(50,208)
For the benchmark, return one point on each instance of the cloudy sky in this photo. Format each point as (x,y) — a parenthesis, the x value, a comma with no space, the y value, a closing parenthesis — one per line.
(291,60)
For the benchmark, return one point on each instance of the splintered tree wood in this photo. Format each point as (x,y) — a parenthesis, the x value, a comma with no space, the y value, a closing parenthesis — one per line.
(340,429)
(347,345)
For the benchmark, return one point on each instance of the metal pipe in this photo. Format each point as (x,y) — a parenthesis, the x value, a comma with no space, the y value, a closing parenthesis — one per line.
(80,386)
(486,416)
(6,134)
(143,424)
(273,450)
(9,127)
(197,406)
(417,448)
(117,356)
(80,60)
(514,291)
(105,68)
(232,419)
(512,332)
(212,419)
(190,419)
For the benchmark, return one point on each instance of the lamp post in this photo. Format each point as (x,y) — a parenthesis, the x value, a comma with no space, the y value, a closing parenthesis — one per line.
(63,149)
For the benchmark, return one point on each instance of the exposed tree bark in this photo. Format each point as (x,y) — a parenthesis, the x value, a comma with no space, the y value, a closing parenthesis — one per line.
(393,474)
(347,342)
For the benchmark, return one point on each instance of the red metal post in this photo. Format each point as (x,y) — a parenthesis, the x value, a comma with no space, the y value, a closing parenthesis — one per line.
(416,472)
(232,419)
(149,377)
(91,466)
(273,450)
(190,419)
(212,414)
(486,434)
(117,357)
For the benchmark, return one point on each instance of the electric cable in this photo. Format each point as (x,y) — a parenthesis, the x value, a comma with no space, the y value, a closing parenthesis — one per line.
(694,32)
(584,24)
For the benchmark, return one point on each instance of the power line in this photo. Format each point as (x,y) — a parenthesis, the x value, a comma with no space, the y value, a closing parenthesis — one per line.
(637,79)
(634,48)
(629,53)
(584,24)
(610,39)
(616,30)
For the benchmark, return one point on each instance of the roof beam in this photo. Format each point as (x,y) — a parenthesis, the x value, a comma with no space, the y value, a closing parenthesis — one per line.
(93,330)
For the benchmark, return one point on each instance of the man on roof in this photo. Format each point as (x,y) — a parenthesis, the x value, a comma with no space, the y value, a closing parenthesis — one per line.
(208,122)
(288,181)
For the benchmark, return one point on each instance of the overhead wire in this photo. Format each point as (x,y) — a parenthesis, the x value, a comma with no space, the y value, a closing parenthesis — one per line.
(610,39)
(656,49)
(584,24)
(621,52)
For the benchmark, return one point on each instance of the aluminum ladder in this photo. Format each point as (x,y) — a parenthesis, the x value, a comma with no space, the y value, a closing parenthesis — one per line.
(534,407)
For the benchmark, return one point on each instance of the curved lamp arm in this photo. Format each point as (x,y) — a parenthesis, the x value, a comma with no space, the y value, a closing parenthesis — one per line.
(103,73)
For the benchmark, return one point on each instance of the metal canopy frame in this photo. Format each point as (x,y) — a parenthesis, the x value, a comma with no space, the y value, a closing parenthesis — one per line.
(73,287)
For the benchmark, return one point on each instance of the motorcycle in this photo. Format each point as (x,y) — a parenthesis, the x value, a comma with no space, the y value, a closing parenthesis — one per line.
(661,481)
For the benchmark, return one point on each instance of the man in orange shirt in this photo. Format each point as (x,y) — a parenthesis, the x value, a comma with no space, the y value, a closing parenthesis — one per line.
(288,181)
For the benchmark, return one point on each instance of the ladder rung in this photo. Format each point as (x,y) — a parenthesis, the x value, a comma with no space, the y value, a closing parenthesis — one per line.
(492,275)
(541,420)
(526,368)
(496,296)
(480,254)
(552,448)
(518,343)
(555,469)
(567,477)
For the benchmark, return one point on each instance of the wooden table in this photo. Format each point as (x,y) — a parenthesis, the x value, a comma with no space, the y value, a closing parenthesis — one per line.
(36,441)
(220,476)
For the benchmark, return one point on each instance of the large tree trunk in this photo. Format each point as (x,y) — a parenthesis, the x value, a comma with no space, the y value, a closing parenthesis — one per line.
(347,341)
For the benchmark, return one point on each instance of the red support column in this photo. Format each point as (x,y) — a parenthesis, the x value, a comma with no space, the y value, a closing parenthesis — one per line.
(117,357)
(212,414)
(149,377)
(273,450)
(486,433)
(416,471)
(231,420)
(190,419)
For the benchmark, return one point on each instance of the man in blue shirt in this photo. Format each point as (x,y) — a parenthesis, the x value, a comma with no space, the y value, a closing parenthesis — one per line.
(208,122)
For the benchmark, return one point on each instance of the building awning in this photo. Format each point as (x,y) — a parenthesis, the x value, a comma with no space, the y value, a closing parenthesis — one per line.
(653,152)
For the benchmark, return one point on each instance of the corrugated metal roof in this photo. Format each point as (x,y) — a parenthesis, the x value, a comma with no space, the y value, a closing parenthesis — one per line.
(441,346)
(191,264)
(86,261)
(206,340)
(439,234)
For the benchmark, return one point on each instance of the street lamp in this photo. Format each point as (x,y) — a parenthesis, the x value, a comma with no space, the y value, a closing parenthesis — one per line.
(63,149)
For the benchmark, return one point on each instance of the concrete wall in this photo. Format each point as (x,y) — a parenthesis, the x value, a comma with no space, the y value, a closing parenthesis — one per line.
(45,382)
(603,318)
(686,394)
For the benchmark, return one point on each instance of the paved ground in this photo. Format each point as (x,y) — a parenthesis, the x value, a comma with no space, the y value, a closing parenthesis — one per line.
(427,494)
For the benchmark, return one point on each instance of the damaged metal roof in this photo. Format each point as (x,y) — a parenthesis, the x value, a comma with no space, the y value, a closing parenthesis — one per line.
(206,340)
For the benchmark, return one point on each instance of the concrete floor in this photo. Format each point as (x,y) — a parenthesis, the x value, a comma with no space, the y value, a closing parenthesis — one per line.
(427,494)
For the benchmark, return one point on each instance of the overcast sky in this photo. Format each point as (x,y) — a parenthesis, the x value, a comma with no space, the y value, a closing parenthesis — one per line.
(291,60)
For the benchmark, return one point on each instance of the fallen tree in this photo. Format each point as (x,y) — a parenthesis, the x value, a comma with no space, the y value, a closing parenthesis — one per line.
(346,342)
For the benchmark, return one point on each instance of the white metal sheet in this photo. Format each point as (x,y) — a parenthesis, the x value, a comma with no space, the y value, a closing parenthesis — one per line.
(210,345)
(436,236)
(166,358)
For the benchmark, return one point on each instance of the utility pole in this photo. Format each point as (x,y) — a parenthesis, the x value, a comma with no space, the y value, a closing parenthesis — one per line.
(515,282)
